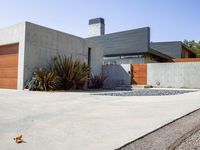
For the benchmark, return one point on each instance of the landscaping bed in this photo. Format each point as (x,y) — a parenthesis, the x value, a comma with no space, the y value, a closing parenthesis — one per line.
(146,92)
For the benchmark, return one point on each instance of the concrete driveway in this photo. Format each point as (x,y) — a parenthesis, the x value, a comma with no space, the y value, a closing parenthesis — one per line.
(81,121)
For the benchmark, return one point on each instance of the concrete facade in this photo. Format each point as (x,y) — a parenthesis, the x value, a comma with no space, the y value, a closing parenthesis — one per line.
(137,42)
(174,75)
(43,43)
(37,45)
(126,42)
(117,75)
(134,44)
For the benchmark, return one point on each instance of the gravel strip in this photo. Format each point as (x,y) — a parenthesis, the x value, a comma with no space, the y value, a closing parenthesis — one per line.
(171,136)
(146,92)
(191,143)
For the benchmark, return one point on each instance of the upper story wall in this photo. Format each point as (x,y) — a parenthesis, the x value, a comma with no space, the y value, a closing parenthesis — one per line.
(126,42)
(173,49)
(43,43)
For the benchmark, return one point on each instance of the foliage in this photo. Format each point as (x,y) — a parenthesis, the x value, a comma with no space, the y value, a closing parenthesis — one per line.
(44,80)
(72,72)
(97,81)
(64,73)
(195,45)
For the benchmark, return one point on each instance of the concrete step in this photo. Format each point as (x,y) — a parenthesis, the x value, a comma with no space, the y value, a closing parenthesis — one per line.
(141,86)
(132,87)
(124,87)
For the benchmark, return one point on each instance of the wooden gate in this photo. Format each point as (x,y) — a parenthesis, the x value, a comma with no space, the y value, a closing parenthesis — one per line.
(139,74)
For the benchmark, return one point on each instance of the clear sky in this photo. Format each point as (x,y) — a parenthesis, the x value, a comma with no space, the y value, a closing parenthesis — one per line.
(169,19)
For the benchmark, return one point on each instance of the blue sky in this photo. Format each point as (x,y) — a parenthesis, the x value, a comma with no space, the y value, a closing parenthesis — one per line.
(169,19)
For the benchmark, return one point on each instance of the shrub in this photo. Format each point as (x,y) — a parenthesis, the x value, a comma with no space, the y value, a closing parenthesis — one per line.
(64,73)
(44,80)
(97,81)
(72,72)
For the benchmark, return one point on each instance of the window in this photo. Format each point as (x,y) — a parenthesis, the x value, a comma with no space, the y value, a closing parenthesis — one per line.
(123,57)
(89,56)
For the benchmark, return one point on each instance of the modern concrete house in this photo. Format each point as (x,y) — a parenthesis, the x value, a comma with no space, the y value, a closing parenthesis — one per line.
(26,46)
(134,46)
(130,54)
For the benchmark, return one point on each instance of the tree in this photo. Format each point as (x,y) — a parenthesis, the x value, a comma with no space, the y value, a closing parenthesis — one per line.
(195,45)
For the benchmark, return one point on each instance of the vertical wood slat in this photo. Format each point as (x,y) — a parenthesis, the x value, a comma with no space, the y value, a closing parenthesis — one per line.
(9,66)
(139,74)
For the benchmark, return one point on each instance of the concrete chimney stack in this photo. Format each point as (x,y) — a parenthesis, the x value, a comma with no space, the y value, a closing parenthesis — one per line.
(96,27)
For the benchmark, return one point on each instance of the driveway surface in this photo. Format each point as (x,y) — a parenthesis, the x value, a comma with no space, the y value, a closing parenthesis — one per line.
(81,121)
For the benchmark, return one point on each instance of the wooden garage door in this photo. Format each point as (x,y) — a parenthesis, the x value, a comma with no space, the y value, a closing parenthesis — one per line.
(139,74)
(8,66)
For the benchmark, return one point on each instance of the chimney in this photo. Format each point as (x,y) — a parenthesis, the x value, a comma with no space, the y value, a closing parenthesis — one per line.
(96,27)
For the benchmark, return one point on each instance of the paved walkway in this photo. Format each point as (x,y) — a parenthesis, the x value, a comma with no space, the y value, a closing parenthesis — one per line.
(80,121)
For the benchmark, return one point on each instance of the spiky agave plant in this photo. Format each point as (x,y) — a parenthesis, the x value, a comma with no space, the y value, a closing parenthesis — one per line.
(44,80)
(72,72)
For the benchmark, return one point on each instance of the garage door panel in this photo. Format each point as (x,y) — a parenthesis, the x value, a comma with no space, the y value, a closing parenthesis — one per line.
(8,60)
(9,49)
(10,83)
(8,66)
(8,72)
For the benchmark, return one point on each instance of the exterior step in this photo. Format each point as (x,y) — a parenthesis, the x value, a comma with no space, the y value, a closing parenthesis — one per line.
(124,87)
(141,86)
(132,87)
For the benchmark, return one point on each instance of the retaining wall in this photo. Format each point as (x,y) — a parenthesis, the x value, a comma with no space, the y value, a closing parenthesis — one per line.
(175,75)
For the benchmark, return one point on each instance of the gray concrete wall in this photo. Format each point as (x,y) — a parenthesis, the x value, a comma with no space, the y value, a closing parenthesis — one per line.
(118,74)
(125,42)
(11,35)
(175,75)
(43,43)
(173,49)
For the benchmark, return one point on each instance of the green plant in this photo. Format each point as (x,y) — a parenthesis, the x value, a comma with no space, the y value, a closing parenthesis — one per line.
(73,73)
(44,80)
(195,45)
(97,81)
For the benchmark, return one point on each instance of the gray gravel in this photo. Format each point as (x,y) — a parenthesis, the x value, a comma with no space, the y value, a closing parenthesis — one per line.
(146,92)
(191,143)
(181,134)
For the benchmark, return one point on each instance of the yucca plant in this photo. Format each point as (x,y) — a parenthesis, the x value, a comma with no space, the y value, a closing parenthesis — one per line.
(72,72)
(44,80)
(97,81)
